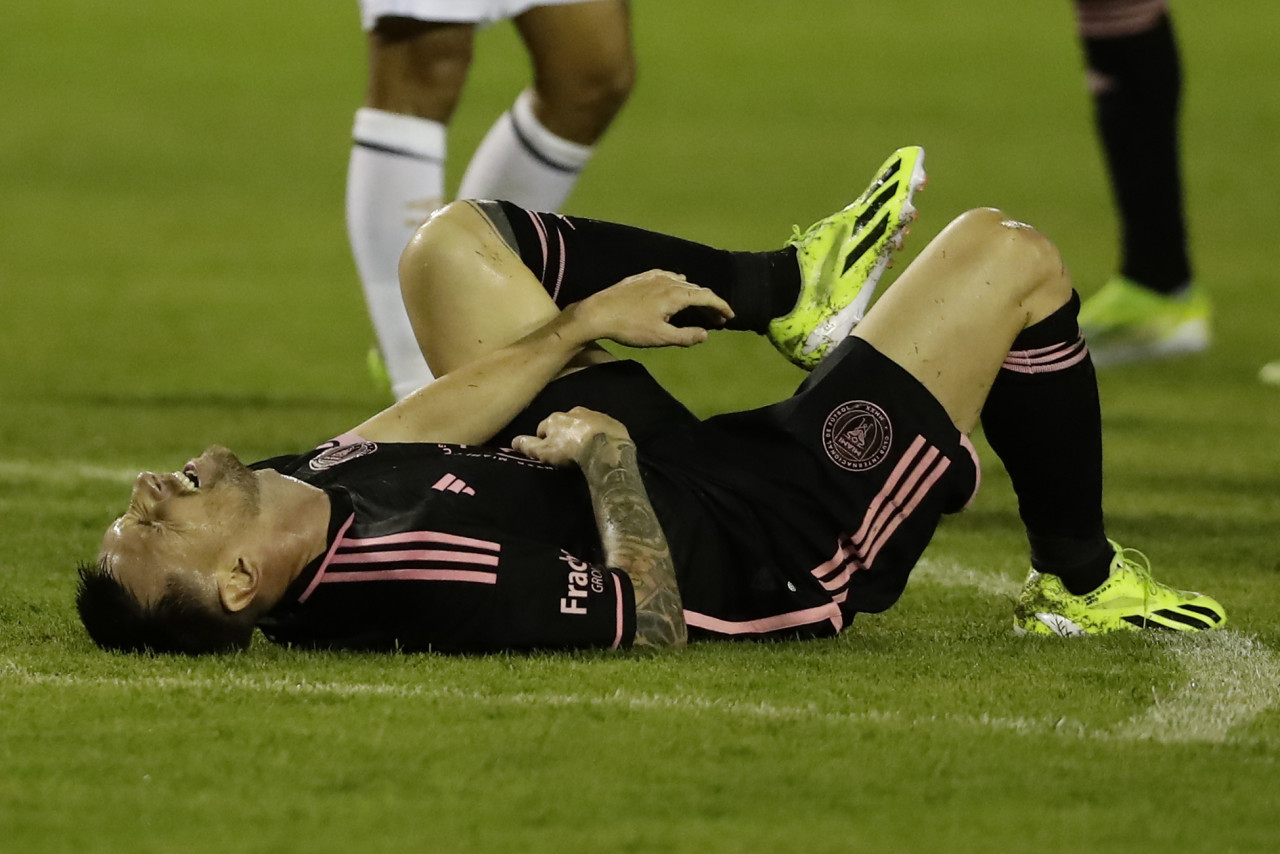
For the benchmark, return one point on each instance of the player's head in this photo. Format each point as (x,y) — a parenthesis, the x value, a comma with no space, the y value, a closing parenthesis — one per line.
(175,573)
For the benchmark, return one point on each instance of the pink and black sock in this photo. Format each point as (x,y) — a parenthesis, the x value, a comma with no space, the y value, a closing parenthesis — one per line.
(575,257)
(1136,79)
(1043,419)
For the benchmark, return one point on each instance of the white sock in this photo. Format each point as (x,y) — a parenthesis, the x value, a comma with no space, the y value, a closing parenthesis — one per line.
(394,182)
(521,161)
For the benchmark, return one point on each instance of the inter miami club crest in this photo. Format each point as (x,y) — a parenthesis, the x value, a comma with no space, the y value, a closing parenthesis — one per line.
(341,454)
(857,435)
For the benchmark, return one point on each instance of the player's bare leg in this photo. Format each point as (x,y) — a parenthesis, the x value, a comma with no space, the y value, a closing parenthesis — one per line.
(584,69)
(468,293)
(577,92)
(951,317)
(986,319)
(396,176)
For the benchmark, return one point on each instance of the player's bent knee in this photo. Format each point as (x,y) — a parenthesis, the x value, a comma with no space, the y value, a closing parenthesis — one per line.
(1013,258)
(446,232)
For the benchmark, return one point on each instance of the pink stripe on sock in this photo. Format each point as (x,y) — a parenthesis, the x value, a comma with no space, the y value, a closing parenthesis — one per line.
(555,294)
(1046,360)
(542,238)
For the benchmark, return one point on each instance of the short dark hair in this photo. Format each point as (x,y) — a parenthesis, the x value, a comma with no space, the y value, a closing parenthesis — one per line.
(176,623)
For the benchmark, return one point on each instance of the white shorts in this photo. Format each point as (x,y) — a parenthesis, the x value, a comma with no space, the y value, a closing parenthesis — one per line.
(454,11)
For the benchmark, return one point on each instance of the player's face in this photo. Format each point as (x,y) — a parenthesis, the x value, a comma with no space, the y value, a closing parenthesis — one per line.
(188,521)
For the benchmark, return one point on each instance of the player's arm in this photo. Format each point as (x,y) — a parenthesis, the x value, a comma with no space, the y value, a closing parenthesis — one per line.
(629,529)
(472,402)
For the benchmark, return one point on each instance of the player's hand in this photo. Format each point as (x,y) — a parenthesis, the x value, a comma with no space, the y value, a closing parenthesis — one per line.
(563,436)
(637,311)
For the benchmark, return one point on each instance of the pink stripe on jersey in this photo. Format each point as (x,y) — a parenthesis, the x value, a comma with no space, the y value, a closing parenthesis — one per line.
(337,541)
(617,590)
(767,624)
(472,576)
(435,555)
(424,537)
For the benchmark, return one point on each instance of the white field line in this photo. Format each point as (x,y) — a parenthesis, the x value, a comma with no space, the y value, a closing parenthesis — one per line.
(1228,678)
(62,472)
(620,699)
(947,573)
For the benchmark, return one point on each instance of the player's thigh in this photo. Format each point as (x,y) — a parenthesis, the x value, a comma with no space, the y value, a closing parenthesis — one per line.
(952,315)
(418,68)
(466,291)
(583,62)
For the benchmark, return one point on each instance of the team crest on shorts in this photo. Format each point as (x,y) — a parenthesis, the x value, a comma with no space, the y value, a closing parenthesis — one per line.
(341,454)
(857,435)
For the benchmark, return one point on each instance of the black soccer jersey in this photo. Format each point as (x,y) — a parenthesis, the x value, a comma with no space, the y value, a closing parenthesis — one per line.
(450,548)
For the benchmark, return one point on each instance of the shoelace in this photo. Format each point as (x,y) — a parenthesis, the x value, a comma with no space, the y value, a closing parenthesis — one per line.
(1140,565)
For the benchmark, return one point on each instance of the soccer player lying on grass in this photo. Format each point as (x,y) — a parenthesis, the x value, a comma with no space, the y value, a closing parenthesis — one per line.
(541,494)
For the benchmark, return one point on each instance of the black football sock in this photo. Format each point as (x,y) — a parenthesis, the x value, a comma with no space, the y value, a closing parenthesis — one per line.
(1137,80)
(1043,419)
(575,257)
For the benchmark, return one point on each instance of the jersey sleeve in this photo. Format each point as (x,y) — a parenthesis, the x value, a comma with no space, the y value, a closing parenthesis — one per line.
(547,598)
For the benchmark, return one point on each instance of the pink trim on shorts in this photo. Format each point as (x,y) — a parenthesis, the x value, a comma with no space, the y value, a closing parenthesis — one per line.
(767,624)
(967,444)
(617,589)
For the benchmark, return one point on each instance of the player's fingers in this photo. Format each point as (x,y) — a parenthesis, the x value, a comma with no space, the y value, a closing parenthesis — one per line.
(696,295)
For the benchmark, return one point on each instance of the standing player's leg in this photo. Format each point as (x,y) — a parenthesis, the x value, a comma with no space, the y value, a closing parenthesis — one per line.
(583,69)
(985,319)
(1151,308)
(396,175)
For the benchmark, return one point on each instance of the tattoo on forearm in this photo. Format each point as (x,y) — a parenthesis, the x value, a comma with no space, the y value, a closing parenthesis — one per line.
(633,539)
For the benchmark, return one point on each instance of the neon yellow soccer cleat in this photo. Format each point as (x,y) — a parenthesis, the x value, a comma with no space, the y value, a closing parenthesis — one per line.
(1130,599)
(842,258)
(1125,322)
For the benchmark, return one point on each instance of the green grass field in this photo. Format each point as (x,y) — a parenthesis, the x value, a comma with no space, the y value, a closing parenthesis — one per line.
(174,272)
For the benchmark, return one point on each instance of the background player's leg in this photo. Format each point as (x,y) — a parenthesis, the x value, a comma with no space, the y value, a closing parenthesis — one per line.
(396,173)
(1151,308)
(985,318)
(583,70)
(468,293)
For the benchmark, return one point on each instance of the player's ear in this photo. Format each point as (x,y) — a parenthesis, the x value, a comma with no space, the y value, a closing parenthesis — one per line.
(238,585)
